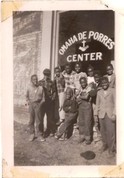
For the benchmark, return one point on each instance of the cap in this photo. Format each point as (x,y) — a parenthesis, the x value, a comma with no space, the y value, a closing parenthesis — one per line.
(47,72)
(88,155)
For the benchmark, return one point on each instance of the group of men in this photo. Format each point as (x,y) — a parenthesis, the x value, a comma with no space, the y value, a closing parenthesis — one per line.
(74,99)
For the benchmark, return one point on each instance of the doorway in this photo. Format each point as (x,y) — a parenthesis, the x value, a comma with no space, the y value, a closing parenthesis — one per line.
(85,36)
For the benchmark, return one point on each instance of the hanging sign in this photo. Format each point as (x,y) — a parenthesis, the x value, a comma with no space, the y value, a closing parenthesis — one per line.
(83,37)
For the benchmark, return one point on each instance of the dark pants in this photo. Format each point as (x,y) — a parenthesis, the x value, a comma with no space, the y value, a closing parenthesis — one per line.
(69,121)
(35,119)
(85,120)
(56,110)
(48,109)
(97,126)
(107,129)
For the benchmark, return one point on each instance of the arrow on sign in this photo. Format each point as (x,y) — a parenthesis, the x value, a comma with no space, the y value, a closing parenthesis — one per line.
(84,48)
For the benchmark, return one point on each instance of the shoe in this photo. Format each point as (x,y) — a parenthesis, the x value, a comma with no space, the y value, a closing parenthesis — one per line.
(61,139)
(88,142)
(111,154)
(46,134)
(103,148)
(97,139)
(51,135)
(31,138)
(56,137)
(81,139)
(41,139)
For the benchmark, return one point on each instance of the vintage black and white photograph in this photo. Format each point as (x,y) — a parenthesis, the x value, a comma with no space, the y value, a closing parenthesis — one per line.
(64,81)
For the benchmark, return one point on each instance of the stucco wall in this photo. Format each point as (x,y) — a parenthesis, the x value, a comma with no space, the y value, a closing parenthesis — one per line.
(26,52)
(26,62)
(31,49)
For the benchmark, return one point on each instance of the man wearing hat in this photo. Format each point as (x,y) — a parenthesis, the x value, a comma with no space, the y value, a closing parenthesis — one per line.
(48,106)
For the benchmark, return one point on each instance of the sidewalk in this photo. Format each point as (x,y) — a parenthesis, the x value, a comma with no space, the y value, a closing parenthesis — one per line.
(51,152)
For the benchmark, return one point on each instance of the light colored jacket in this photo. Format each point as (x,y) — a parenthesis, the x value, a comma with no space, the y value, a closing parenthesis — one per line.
(105,104)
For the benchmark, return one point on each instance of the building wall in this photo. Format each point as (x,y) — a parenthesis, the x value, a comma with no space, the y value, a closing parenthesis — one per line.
(31,49)
(37,37)
(26,62)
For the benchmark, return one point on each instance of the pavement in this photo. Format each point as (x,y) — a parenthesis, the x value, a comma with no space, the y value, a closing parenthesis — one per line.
(52,151)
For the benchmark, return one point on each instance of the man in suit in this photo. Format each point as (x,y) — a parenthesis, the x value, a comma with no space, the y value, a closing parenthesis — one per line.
(105,111)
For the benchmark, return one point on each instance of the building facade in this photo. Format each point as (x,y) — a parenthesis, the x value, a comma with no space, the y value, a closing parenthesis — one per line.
(45,39)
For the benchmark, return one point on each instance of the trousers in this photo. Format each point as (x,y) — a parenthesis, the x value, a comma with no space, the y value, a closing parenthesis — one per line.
(48,109)
(35,119)
(69,120)
(108,132)
(61,101)
(85,120)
